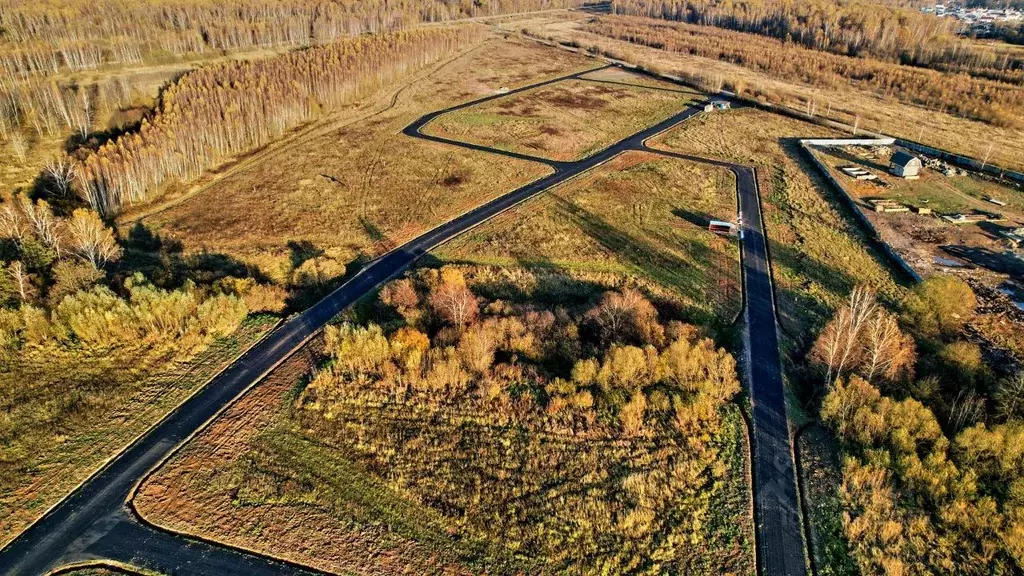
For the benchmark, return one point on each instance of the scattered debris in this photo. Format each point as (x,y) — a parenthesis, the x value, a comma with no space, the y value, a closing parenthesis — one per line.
(949,263)
(1016,235)
(873,152)
(943,167)
(973,218)
(886,205)
(858,173)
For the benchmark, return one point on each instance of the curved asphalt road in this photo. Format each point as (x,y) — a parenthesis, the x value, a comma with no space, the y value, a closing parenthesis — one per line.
(96,521)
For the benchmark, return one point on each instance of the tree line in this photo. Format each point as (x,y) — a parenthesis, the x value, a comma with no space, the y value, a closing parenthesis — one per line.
(73,336)
(221,110)
(976,98)
(931,435)
(853,28)
(51,36)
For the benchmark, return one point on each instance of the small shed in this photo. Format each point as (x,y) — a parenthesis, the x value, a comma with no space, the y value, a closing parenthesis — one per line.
(905,165)
(720,227)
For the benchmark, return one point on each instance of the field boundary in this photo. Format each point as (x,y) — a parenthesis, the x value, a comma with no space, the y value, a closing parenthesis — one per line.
(898,262)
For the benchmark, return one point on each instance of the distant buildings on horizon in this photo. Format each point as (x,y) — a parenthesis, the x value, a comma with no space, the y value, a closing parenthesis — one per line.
(976,20)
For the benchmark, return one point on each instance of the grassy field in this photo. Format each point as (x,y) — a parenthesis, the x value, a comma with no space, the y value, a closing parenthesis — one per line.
(871,111)
(353,186)
(818,254)
(143,395)
(568,120)
(639,214)
(272,476)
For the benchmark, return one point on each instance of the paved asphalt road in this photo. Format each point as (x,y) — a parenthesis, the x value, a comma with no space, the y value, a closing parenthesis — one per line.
(96,521)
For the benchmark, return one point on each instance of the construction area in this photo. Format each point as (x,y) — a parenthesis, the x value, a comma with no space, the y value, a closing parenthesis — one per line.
(936,216)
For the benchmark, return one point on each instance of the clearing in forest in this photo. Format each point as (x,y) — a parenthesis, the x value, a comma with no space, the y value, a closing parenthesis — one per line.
(353,187)
(567,120)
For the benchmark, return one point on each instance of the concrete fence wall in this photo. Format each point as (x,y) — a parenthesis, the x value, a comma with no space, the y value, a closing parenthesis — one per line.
(862,219)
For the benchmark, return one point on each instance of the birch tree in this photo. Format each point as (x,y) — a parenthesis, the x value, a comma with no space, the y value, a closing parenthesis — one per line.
(90,239)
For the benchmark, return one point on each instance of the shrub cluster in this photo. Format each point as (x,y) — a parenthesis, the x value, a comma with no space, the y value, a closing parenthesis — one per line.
(585,438)
(933,478)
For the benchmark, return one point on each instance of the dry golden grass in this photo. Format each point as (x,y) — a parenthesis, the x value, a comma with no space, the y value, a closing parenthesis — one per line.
(566,121)
(196,493)
(876,113)
(352,185)
(85,446)
(640,214)
(265,478)
(818,253)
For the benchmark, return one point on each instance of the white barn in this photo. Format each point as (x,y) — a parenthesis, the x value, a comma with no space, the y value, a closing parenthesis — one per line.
(905,165)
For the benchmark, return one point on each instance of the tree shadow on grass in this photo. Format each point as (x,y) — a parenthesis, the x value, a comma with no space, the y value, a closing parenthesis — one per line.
(302,250)
(644,257)
(372,230)
(164,262)
(798,312)
(698,219)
